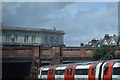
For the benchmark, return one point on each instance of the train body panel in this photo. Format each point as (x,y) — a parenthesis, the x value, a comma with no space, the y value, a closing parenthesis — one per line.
(98,71)
(51,73)
(107,74)
(92,71)
(102,70)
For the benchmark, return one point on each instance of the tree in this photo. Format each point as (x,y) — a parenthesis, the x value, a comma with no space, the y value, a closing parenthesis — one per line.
(104,53)
(117,56)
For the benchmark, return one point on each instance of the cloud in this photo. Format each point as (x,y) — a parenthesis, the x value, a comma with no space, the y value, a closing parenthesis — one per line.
(79,20)
(22,14)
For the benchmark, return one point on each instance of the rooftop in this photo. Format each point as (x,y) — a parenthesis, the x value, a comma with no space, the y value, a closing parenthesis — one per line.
(33,29)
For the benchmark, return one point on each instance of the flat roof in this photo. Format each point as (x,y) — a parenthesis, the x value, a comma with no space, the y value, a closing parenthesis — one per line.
(33,29)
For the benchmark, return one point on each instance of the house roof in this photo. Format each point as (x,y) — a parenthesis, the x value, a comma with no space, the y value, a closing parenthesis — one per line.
(107,40)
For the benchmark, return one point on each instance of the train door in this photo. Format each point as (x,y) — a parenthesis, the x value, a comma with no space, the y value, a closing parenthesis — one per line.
(107,71)
(92,71)
(69,72)
(51,73)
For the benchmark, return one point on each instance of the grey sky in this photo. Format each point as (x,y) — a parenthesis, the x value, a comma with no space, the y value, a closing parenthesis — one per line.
(81,21)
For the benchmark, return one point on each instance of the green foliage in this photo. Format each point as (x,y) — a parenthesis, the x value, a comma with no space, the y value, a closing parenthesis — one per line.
(117,56)
(104,53)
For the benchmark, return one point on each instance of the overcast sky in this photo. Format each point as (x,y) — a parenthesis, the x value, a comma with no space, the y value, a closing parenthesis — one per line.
(81,21)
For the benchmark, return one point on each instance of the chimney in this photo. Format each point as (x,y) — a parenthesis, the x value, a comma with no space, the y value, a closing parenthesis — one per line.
(107,36)
(82,44)
(114,35)
(94,40)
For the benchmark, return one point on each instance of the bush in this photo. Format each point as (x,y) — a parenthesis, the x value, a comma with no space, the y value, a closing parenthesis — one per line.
(104,53)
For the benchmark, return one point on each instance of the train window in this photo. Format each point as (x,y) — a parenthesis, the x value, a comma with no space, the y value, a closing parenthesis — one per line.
(59,72)
(51,72)
(69,71)
(93,70)
(81,72)
(106,69)
(116,71)
(44,72)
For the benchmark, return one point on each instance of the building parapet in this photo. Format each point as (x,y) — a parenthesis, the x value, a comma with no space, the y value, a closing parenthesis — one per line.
(33,29)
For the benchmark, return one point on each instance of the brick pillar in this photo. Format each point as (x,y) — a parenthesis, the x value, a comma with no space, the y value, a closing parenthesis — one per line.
(36,60)
(56,54)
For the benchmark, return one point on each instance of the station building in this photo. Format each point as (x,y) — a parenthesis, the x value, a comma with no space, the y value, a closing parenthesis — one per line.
(20,36)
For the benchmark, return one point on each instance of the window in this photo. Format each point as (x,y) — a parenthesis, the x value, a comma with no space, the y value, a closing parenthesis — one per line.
(69,71)
(59,72)
(57,40)
(16,38)
(7,38)
(94,69)
(33,39)
(116,71)
(81,72)
(51,72)
(44,72)
(46,40)
(106,69)
(52,40)
(26,38)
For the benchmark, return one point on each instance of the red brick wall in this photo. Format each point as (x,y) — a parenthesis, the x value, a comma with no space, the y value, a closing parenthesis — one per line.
(50,53)
(81,52)
(55,52)
(46,53)
(17,53)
